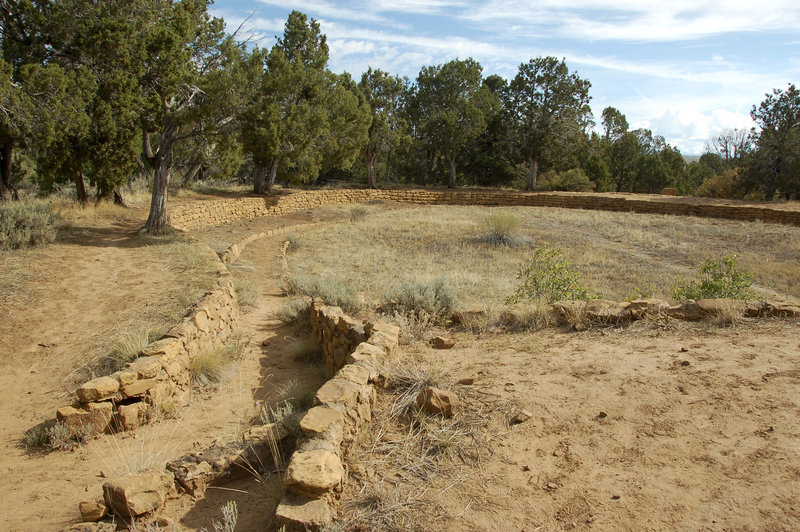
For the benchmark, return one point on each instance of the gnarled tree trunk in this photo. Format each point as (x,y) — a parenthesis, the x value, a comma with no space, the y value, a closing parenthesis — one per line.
(533,173)
(273,172)
(162,166)
(452,164)
(7,190)
(260,179)
(80,186)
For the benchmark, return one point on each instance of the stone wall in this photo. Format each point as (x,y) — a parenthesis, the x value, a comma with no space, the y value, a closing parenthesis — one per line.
(353,355)
(205,213)
(125,399)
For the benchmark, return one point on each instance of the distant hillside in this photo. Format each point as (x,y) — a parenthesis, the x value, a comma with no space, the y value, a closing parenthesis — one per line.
(691,158)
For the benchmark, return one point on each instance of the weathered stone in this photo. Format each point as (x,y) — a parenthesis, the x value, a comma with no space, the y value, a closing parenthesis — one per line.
(385,327)
(91,527)
(354,373)
(97,389)
(384,340)
(313,473)
(640,308)
(468,315)
(365,349)
(521,417)
(169,347)
(263,433)
(298,514)
(337,391)
(192,476)
(782,309)
(146,367)
(125,376)
(569,310)
(130,416)
(184,330)
(89,419)
(202,321)
(160,392)
(606,312)
(93,511)
(688,310)
(318,419)
(137,494)
(754,308)
(138,388)
(721,307)
(440,342)
(436,401)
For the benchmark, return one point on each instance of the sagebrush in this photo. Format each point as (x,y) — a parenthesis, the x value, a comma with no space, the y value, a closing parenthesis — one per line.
(719,278)
(26,223)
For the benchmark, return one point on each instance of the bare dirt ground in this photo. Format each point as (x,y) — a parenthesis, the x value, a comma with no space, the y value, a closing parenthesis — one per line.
(56,303)
(652,427)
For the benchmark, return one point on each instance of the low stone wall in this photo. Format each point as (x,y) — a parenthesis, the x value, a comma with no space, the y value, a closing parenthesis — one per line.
(206,213)
(123,400)
(353,353)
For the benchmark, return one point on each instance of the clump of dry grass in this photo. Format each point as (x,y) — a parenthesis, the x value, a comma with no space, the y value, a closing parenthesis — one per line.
(211,363)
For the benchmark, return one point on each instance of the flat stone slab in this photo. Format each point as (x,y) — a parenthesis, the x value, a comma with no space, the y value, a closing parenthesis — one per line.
(338,391)
(313,473)
(97,389)
(299,514)
(319,419)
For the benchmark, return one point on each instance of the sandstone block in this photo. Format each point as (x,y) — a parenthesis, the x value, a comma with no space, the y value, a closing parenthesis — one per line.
(640,308)
(130,416)
(97,389)
(440,342)
(354,373)
(722,307)
(606,312)
(125,376)
(688,310)
(201,321)
(160,392)
(262,433)
(146,367)
(782,309)
(138,388)
(319,419)
(468,315)
(436,401)
(90,419)
(337,391)
(313,473)
(137,494)
(169,347)
(93,511)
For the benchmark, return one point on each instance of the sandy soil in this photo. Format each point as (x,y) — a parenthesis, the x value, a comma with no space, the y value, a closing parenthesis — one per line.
(676,427)
(60,299)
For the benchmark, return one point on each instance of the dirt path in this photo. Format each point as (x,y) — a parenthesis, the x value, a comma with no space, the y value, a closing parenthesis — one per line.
(56,302)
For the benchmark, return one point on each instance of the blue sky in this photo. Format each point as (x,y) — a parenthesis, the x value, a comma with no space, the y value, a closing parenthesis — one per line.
(684,68)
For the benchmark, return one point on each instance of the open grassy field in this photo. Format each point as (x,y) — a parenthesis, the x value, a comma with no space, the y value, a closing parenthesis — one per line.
(619,255)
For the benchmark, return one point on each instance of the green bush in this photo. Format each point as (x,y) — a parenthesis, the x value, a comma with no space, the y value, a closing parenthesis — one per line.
(332,290)
(720,278)
(574,180)
(549,277)
(437,299)
(499,229)
(26,223)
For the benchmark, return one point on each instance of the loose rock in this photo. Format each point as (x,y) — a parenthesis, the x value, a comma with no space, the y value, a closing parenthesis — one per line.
(436,401)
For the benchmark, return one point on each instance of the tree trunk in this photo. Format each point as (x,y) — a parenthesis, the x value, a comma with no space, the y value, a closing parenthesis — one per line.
(371,180)
(119,198)
(260,179)
(197,165)
(7,190)
(452,164)
(162,167)
(533,173)
(80,186)
(273,172)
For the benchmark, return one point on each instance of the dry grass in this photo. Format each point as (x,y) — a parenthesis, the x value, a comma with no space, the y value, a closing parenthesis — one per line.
(619,254)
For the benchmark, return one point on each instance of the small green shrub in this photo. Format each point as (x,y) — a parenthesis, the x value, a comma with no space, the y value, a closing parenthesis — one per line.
(550,277)
(60,437)
(645,292)
(720,278)
(294,312)
(25,224)
(333,290)
(37,437)
(437,299)
(295,242)
(499,229)
(359,212)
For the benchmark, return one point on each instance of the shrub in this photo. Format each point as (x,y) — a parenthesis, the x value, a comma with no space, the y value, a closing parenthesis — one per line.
(332,290)
(725,185)
(574,180)
(720,278)
(294,312)
(437,299)
(26,223)
(359,212)
(500,227)
(211,362)
(550,277)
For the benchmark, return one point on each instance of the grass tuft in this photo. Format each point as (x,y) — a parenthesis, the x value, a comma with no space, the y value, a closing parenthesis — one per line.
(332,289)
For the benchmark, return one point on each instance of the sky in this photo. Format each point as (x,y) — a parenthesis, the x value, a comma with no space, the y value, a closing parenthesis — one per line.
(685,69)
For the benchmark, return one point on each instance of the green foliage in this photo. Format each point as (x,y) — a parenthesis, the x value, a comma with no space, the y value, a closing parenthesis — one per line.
(548,108)
(26,223)
(645,292)
(333,290)
(719,278)
(724,185)
(451,105)
(294,312)
(574,180)
(437,299)
(549,276)
(499,229)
